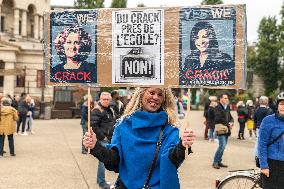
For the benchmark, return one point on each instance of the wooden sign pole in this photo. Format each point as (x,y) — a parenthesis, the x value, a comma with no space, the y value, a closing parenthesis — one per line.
(187,117)
(89,112)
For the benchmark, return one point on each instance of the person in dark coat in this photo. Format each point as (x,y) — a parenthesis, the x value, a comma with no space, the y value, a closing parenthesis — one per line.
(222,116)
(102,122)
(205,115)
(14,102)
(23,109)
(260,113)
(84,118)
(211,118)
(116,104)
(242,118)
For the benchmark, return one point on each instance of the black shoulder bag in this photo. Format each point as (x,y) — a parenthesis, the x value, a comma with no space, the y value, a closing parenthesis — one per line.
(158,146)
(269,144)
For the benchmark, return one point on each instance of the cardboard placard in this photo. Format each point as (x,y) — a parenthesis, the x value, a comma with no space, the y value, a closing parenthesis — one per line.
(201,46)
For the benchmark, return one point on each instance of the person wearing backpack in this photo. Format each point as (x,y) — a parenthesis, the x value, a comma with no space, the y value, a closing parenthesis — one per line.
(271,147)
(242,119)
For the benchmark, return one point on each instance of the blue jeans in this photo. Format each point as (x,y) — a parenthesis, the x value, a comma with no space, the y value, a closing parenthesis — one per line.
(29,123)
(256,143)
(101,168)
(212,134)
(223,140)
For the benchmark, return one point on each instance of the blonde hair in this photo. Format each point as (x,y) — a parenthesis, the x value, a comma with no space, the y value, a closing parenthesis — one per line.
(168,105)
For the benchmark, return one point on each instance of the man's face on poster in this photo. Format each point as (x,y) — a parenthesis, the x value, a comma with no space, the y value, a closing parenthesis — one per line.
(72,45)
(202,40)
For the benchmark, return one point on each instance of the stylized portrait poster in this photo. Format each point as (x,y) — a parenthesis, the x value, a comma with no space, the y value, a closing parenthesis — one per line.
(207,46)
(73,46)
(138,47)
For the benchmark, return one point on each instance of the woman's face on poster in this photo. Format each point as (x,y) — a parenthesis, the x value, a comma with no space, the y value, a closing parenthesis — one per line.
(202,40)
(72,45)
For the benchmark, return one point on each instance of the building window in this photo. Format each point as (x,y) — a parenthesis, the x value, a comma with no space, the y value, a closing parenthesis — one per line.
(2,65)
(62,94)
(20,81)
(2,23)
(20,27)
(1,81)
(2,68)
(40,78)
(32,31)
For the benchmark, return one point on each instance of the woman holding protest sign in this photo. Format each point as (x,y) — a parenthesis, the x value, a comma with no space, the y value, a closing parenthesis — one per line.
(206,64)
(145,137)
(73,47)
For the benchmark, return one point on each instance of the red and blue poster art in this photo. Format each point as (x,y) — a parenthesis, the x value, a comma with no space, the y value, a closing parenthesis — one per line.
(207,46)
(73,46)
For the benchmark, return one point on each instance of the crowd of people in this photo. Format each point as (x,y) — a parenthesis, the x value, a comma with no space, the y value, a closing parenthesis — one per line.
(250,115)
(16,118)
(122,134)
(146,130)
(264,120)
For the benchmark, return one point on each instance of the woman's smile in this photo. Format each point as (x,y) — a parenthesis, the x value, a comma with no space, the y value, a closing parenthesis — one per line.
(202,40)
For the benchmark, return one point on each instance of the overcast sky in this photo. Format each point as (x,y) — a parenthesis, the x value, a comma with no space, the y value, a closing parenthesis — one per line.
(256,9)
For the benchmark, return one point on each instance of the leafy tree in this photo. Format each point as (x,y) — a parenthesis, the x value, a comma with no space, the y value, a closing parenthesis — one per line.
(251,63)
(267,53)
(251,56)
(281,45)
(118,4)
(89,4)
(211,2)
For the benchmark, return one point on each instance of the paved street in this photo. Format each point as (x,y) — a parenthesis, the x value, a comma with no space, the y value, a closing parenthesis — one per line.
(52,158)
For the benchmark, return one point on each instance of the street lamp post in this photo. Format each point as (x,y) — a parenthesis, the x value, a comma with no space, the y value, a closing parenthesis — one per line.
(42,104)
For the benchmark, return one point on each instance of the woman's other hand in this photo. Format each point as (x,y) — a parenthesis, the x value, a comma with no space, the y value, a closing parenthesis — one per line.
(187,137)
(265,172)
(90,139)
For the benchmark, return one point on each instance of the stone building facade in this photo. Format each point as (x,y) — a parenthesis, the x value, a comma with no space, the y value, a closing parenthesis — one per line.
(21,50)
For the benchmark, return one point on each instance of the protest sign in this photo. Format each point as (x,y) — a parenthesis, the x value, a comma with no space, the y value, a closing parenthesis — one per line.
(200,46)
(138,46)
(208,47)
(72,41)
